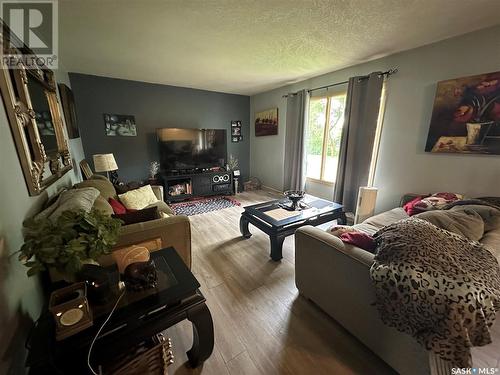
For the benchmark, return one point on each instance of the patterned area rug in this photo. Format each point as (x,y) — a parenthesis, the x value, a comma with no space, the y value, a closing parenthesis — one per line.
(203,205)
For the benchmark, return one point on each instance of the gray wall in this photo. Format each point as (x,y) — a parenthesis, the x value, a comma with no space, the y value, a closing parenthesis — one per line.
(403,166)
(20,296)
(154,106)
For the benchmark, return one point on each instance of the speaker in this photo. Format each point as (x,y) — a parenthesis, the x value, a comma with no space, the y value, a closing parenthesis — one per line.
(216,179)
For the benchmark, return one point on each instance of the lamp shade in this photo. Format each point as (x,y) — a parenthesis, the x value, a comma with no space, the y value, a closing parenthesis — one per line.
(105,163)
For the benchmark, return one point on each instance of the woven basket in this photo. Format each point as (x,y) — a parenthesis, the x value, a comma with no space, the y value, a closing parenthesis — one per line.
(149,358)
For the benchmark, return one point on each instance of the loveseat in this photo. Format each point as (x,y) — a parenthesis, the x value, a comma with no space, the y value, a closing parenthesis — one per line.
(335,276)
(173,230)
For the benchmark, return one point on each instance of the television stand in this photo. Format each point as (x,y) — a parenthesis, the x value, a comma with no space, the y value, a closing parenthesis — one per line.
(179,187)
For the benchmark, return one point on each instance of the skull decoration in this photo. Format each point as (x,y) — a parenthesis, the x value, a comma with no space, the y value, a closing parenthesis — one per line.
(137,269)
(140,275)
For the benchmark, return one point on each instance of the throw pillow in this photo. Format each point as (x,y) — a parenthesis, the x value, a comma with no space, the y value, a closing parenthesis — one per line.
(361,240)
(139,216)
(50,206)
(75,200)
(437,201)
(162,207)
(102,205)
(118,208)
(139,198)
(104,186)
(410,208)
(466,223)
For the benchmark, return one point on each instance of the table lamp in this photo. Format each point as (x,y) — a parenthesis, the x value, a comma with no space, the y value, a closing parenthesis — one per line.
(106,163)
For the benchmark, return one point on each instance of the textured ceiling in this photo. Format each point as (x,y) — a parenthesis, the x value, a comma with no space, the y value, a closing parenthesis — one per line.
(246,47)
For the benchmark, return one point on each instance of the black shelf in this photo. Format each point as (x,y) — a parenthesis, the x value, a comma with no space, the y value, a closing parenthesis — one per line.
(202,184)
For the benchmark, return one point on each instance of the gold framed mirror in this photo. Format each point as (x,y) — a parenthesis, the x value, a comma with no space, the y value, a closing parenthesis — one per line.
(32,106)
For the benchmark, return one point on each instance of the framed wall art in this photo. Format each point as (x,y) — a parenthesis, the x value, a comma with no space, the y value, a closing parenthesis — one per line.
(266,122)
(120,125)
(466,116)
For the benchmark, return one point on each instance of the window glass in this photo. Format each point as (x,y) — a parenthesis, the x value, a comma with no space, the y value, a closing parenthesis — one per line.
(324,131)
(333,137)
(315,137)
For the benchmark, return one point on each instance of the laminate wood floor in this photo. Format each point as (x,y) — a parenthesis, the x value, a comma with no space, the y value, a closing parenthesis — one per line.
(262,325)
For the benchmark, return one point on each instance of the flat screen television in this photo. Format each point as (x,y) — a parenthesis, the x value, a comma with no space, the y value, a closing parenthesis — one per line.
(182,149)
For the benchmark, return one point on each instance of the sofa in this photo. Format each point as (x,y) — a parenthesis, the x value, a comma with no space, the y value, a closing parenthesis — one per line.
(335,276)
(174,230)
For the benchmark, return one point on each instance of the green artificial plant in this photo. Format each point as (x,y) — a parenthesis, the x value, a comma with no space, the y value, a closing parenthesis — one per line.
(67,242)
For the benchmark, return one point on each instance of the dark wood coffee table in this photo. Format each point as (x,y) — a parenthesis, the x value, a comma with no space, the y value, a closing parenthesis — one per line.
(139,316)
(320,211)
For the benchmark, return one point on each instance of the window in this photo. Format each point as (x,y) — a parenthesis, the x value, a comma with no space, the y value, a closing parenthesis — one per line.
(324,131)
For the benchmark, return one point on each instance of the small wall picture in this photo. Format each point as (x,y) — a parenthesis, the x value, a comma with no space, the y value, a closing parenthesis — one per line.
(266,122)
(120,125)
(236,131)
(466,116)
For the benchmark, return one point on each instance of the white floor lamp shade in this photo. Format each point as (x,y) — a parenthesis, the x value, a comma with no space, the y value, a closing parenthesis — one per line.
(365,207)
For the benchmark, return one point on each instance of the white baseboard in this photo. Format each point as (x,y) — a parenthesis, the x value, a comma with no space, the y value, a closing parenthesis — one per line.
(264,187)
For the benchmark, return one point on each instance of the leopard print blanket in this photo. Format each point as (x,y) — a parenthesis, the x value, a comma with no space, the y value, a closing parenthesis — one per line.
(436,286)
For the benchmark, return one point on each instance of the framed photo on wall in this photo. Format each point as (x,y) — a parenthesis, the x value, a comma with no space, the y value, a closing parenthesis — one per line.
(236,131)
(119,125)
(266,122)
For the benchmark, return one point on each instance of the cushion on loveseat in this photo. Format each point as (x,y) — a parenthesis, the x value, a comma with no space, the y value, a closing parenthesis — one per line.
(374,223)
(104,186)
(162,207)
(139,198)
(100,204)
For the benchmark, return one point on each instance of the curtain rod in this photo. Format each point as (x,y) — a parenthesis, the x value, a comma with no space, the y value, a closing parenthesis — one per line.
(386,73)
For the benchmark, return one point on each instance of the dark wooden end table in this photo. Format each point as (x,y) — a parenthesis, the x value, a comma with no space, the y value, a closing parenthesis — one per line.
(139,316)
(320,211)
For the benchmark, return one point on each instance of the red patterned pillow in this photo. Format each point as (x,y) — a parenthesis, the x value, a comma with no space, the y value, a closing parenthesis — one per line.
(437,201)
(118,208)
(410,208)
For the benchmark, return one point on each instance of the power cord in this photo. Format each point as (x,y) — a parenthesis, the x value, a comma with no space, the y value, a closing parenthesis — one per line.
(99,332)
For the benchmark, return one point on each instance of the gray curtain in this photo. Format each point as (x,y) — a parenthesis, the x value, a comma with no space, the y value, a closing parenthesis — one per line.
(358,135)
(297,108)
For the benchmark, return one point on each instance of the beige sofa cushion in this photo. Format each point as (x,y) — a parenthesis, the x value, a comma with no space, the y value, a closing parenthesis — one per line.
(75,200)
(374,223)
(138,199)
(162,208)
(104,186)
(102,205)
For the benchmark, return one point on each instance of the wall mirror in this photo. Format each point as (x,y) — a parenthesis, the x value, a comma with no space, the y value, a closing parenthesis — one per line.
(31,103)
